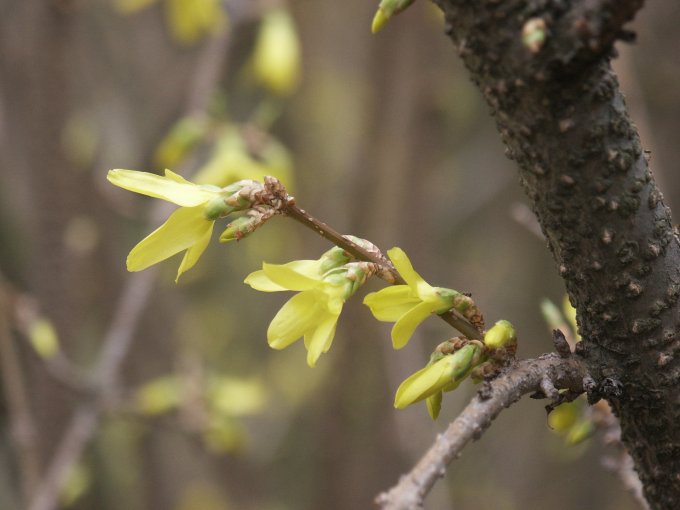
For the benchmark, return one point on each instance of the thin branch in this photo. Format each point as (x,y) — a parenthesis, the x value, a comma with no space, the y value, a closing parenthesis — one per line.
(390,274)
(520,378)
(131,305)
(22,425)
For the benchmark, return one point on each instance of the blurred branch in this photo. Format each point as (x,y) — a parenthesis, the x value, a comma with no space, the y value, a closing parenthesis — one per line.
(519,378)
(132,302)
(620,463)
(22,425)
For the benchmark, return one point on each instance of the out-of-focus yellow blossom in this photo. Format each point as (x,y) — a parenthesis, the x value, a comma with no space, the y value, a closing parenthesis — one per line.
(276,59)
(187,229)
(313,312)
(232,159)
(443,373)
(409,305)
(188,20)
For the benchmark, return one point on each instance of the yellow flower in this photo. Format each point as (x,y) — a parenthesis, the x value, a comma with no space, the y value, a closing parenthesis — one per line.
(188,20)
(188,229)
(443,373)
(409,305)
(313,313)
(276,58)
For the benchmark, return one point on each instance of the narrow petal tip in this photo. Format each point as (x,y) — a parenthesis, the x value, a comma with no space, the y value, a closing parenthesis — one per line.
(379,21)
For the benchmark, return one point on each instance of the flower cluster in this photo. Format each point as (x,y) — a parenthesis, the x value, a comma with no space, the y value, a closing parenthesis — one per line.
(189,228)
(323,285)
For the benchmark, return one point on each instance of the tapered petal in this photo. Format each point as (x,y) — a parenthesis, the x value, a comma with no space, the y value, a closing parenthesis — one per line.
(434,404)
(294,319)
(402,263)
(182,193)
(391,303)
(403,329)
(288,278)
(422,384)
(194,253)
(260,281)
(184,228)
(319,340)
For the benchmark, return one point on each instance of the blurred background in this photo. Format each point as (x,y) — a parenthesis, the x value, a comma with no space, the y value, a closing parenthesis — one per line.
(128,391)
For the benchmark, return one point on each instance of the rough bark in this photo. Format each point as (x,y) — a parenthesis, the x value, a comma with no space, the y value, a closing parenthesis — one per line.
(564,121)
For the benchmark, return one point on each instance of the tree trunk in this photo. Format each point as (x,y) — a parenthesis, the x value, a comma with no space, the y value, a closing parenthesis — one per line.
(543,67)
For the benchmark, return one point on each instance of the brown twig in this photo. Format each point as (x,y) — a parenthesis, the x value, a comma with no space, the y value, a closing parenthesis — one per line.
(519,378)
(22,425)
(390,274)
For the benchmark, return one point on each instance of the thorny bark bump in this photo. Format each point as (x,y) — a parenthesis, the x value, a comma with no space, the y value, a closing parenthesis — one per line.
(563,119)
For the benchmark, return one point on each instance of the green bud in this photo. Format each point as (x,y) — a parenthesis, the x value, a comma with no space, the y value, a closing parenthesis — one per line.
(501,334)
(463,361)
(239,228)
(333,258)
(216,208)
(350,276)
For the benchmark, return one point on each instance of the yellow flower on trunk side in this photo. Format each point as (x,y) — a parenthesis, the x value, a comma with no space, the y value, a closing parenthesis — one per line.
(187,229)
(409,305)
(313,312)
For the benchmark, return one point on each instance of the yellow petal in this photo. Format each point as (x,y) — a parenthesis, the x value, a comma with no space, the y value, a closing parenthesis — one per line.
(379,21)
(259,280)
(402,263)
(194,253)
(319,341)
(276,58)
(288,278)
(184,228)
(391,303)
(423,383)
(184,193)
(434,404)
(403,329)
(298,316)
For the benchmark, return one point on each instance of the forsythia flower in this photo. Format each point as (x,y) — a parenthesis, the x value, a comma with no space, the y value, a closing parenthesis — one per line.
(276,58)
(409,305)
(324,285)
(443,373)
(188,228)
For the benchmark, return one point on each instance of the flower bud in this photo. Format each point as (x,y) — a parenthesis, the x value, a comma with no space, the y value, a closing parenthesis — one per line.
(335,257)
(501,334)
(239,228)
(216,208)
